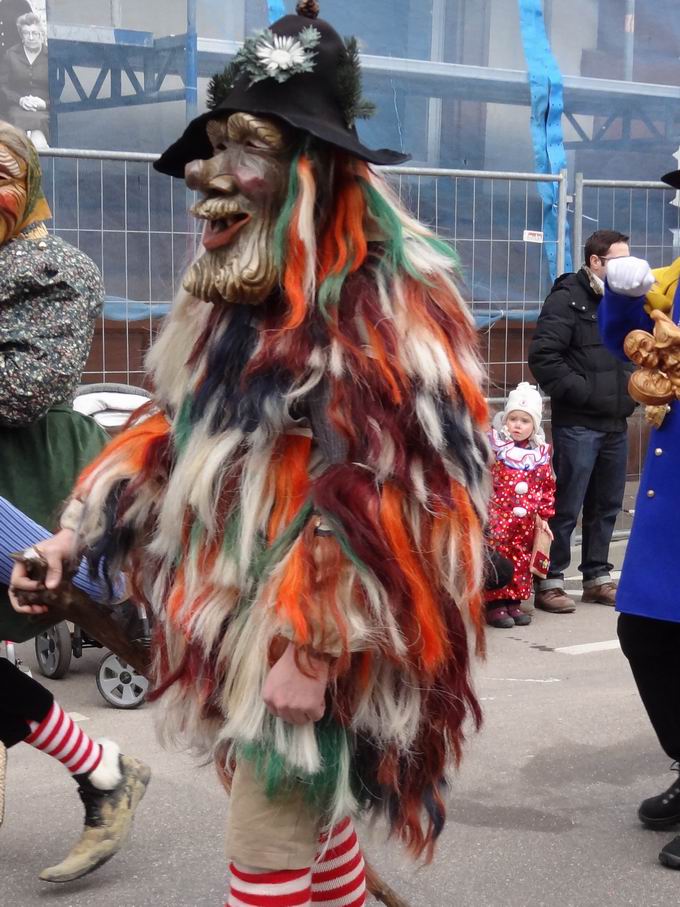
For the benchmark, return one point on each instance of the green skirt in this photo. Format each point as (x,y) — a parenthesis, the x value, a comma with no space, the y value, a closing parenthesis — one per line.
(39,465)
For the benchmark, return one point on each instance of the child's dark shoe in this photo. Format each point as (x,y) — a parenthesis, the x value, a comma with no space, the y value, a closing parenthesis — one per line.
(520,618)
(499,617)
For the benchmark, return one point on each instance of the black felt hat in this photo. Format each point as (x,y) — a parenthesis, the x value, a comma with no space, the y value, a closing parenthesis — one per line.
(672,179)
(299,70)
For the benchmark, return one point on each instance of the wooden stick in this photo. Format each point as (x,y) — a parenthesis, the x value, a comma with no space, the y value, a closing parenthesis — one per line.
(381,891)
(67,602)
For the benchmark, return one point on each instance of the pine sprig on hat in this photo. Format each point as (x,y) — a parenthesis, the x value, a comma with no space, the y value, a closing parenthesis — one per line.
(221,84)
(267,56)
(354,105)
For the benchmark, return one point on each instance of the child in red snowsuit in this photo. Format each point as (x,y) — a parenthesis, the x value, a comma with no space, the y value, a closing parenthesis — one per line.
(523,499)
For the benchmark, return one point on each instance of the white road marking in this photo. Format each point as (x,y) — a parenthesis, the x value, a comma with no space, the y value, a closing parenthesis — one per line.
(76,716)
(587,647)
(527,679)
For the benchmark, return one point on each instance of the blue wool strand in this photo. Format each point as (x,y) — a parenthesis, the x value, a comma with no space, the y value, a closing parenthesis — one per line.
(227,361)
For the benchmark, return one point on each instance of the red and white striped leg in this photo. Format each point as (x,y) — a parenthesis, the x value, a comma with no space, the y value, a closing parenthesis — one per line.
(59,736)
(269,887)
(339,875)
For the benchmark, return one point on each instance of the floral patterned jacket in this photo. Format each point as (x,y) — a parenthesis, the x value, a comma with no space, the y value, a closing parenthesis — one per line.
(50,295)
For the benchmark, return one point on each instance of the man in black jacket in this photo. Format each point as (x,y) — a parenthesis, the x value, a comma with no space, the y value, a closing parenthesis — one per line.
(590,404)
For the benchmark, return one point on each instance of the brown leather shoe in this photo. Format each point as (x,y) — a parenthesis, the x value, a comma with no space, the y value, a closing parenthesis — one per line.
(604,594)
(555,601)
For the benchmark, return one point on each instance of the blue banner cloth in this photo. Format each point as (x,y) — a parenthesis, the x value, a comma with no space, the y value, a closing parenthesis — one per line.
(277,8)
(547,106)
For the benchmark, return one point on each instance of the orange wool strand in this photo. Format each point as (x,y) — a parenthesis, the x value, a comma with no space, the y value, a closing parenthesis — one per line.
(296,256)
(129,448)
(344,243)
(469,535)
(176,596)
(429,618)
(383,363)
(292,594)
(290,480)
(469,389)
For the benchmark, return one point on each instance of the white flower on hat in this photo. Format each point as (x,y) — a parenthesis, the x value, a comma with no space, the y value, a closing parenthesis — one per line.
(271,56)
(283,53)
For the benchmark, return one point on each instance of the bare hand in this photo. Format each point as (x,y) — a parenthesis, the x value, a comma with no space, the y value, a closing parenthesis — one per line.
(26,103)
(292,695)
(57,551)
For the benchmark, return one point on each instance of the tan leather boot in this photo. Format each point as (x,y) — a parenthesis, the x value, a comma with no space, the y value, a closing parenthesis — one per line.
(108,819)
(604,594)
(555,601)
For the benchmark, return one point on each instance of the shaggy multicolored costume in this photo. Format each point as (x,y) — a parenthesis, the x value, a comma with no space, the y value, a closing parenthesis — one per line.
(314,468)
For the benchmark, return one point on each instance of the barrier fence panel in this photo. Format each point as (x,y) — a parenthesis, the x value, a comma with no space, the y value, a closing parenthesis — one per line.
(494,221)
(133,222)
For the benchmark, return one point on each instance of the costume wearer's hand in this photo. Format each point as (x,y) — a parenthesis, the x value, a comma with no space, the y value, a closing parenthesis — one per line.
(293,696)
(544,526)
(59,549)
(630,276)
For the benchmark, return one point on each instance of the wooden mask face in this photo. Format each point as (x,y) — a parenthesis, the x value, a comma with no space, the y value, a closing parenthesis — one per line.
(244,185)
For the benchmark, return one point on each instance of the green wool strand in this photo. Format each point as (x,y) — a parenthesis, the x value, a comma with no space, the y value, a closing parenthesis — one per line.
(330,290)
(343,541)
(279,777)
(232,531)
(395,258)
(183,425)
(269,557)
(395,248)
(283,221)
(443,247)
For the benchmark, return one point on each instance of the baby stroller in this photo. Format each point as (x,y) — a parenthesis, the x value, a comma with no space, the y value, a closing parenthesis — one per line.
(120,685)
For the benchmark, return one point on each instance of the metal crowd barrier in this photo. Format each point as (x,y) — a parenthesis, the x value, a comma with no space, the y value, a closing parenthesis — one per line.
(133,222)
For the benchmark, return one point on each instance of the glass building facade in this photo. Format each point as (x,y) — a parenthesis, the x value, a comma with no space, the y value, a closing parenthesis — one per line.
(449,76)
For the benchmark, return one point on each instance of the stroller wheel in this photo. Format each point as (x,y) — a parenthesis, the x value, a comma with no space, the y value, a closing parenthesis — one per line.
(120,685)
(53,651)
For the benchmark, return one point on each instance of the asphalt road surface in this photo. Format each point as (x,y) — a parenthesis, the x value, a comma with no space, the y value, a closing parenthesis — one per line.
(541,814)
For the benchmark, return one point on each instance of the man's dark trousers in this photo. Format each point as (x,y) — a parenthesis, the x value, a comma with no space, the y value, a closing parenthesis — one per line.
(590,467)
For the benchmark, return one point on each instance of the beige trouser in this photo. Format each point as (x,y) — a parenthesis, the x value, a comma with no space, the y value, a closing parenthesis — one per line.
(282,833)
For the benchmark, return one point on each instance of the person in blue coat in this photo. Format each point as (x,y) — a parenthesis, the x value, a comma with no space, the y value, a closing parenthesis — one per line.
(648,595)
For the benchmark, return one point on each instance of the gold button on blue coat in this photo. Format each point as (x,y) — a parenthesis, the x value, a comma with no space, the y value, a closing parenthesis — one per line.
(650,493)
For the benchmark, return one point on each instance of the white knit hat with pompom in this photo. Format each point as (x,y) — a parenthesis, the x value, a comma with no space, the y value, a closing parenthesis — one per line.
(527,399)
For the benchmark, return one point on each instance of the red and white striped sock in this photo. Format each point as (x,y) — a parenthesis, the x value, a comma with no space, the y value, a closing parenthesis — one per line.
(339,875)
(269,887)
(58,736)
